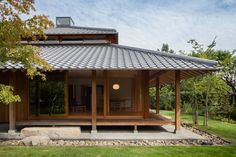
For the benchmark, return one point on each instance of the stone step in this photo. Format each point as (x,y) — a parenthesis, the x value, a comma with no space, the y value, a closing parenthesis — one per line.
(52,132)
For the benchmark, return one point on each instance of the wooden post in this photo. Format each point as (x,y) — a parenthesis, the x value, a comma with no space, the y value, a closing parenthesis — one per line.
(108,94)
(157,95)
(105,94)
(146,93)
(177,100)
(66,94)
(94,102)
(12,107)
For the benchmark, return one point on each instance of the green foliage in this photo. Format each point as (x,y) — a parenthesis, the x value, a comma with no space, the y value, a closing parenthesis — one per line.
(50,96)
(166,48)
(218,88)
(220,127)
(167,97)
(13,28)
(7,96)
(152,94)
(213,93)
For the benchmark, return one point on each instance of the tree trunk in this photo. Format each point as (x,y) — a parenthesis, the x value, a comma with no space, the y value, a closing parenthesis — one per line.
(195,107)
(206,111)
(206,102)
(234,96)
(196,113)
(193,112)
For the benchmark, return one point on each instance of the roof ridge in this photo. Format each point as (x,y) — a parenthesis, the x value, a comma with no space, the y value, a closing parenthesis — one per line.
(84,27)
(98,28)
(195,59)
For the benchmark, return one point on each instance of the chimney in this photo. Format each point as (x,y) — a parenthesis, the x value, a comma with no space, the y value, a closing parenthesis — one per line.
(64,22)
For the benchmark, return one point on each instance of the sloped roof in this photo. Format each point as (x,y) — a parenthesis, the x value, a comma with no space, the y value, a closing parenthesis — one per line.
(75,30)
(113,56)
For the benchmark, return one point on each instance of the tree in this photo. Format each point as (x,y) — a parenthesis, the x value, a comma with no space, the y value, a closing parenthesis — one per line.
(13,28)
(191,95)
(165,48)
(210,83)
(229,73)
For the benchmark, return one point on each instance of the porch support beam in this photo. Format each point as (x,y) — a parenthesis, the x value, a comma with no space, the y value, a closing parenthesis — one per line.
(157,95)
(146,93)
(94,102)
(66,94)
(12,106)
(106,94)
(158,74)
(177,101)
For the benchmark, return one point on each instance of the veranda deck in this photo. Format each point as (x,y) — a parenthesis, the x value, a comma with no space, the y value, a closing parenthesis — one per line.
(152,120)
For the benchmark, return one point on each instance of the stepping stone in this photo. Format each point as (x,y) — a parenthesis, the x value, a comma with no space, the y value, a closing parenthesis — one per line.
(52,132)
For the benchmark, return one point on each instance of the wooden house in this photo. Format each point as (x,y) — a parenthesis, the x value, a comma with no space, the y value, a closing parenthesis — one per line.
(95,81)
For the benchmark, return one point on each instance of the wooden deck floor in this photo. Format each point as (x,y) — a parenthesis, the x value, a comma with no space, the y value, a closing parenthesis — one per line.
(153,120)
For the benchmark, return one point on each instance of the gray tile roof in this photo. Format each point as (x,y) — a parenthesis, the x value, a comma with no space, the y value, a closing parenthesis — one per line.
(112,56)
(79,30)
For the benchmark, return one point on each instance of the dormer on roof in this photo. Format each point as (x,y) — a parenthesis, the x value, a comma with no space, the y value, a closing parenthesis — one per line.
(64,22)
(65,31)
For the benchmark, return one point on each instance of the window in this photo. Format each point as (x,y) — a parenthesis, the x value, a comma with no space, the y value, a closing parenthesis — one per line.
(64,21)
(47,97)
(120,95)
(80,92)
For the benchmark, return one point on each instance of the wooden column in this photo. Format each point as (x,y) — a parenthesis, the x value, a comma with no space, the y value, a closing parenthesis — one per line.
(66,94)
(177,100)
(12,106)
(94,102)
(146,93)
(106,94)
(157,95)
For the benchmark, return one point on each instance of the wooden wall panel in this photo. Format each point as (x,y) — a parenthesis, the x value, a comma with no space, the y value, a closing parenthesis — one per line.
(4,79)
(138,92)
(22,89)
(146,100)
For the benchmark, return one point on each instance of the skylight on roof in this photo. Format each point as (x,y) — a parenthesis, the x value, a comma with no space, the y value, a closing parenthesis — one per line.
(64,22)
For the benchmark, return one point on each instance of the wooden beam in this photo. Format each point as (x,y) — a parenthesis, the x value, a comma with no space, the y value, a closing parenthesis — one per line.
(94,101)
(12,107)
(157,95)
(177,100)
(158,74)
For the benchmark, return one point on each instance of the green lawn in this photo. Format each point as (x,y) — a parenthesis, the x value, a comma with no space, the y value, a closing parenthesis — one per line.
(162,151)
(224,129)
(220,128)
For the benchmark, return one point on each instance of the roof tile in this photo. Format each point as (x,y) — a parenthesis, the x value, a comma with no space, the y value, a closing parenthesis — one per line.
(113,56)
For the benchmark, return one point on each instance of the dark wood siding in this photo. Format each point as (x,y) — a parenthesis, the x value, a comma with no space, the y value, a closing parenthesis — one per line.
(21,89)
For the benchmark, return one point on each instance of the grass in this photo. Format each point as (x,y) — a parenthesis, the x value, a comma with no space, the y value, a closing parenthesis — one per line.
(223,129)
(220,128)
(163,151)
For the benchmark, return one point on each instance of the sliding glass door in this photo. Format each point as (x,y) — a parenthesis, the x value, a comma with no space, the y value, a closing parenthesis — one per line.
(47,98)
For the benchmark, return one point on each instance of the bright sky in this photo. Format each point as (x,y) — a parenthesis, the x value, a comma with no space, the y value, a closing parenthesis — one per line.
(149,23)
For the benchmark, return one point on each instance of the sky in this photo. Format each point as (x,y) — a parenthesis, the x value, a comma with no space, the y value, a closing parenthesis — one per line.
(150,23)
